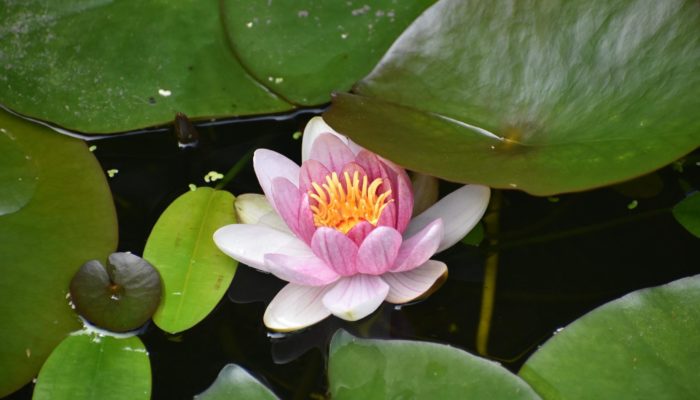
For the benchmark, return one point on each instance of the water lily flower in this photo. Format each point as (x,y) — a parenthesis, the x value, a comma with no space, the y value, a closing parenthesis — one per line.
(339,230)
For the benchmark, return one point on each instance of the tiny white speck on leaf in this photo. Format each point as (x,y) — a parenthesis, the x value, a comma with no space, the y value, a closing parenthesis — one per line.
(164,92)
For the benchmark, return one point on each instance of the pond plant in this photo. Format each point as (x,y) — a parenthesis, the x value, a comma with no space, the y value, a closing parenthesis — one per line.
(542,152)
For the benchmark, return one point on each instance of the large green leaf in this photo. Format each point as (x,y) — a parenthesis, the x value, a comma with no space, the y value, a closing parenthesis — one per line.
(194,272)
(69,220)
(390,369)
(304,50)
(644,345)
(18,175)
(105,66)
(687,213)
(234,383)
(88,366)
(545,96)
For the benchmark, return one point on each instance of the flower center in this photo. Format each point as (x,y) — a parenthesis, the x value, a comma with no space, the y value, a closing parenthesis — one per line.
(342,206)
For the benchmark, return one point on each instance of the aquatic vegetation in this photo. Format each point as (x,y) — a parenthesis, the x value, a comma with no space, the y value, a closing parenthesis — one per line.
(339,230)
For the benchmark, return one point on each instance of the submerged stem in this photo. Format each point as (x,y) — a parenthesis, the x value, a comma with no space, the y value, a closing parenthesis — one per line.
(491,221)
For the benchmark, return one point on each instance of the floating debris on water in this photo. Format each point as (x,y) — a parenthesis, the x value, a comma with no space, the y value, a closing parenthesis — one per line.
(92,148)
(112,172)
(632,205)
(213,176)
(192,187)
(296,135)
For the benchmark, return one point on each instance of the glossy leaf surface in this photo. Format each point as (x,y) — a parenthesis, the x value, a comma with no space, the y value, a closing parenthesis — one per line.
(101,66)
(85,366)
(233,383)
(69,220)
(195,273)
(546,97)
(304,50)
(687,212)
(388,369)
(119,297)
(643,345)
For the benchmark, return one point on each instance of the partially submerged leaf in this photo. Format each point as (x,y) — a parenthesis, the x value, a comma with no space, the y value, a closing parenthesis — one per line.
(233,383)
(387,369)
(120,297)
(69,220)
(687,213)
(546,97)
(194,271)
(643,345)
(88,366)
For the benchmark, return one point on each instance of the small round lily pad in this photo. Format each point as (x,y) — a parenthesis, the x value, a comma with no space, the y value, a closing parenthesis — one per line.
(119,297)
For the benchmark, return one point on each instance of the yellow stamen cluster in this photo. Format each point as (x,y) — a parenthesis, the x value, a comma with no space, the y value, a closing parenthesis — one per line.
(344,206)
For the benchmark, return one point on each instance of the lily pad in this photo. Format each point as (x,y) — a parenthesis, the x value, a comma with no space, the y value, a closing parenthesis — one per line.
(97,66)
(69,220)
(687,213)
(18,175)
(86,366)
(304,50)
(546,97)
(643,345)
(119,298)
(233,383)
(194,271)
(375,369)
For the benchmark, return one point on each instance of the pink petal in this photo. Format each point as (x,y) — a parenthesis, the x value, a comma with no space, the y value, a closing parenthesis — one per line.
(419,248)
(332,152)
(336,249)
(308,270)
(459,211)
(287,201)
(306,226)
(409,285)
(296,307)
(269,165)
(378,251)
(249,243)
(356,297)
(351,168)
(388,216)
(315,128)
(359,232)
(312,171)
(402,193)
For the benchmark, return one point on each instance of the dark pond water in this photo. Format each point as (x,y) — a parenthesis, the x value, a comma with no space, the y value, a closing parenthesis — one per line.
(558,258)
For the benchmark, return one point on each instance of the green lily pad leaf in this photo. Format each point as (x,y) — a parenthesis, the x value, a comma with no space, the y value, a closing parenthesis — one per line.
(194,271)
(101,67)
(119,298)
(233,383)
(547,97)
(642,345)
(69,220)
(86,366)
(687,213)
(18,175)
(367,368)
(304,50)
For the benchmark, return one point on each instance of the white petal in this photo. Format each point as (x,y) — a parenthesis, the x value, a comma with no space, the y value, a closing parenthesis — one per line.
(269,165)
(253,208)
(409,285)
(313,129)
(459,210)
(296,307)
(355,297)
(249,243)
